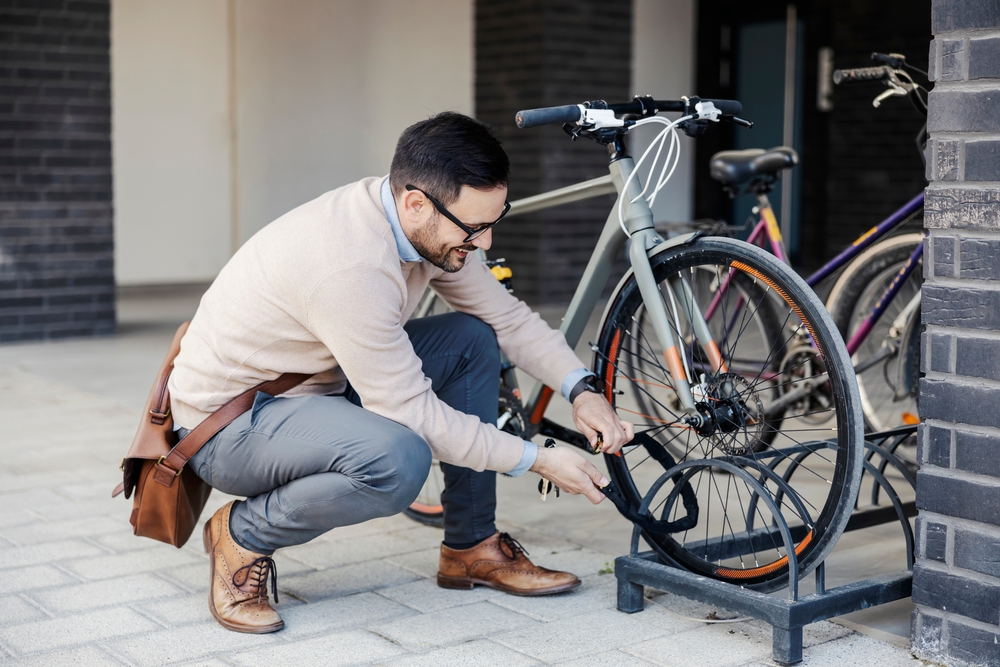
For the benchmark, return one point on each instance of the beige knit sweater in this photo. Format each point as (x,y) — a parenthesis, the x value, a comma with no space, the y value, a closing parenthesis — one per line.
(322,290)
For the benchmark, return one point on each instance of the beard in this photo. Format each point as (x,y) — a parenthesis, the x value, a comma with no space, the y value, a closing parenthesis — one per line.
(441,255)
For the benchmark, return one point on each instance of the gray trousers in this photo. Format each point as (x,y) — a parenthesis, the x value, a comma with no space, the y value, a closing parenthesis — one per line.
(307,465)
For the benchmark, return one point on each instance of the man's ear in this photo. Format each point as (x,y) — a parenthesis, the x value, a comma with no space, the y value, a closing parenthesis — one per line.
(414,206)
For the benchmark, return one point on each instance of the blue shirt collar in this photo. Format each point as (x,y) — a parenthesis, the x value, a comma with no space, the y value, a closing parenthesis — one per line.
(407,252)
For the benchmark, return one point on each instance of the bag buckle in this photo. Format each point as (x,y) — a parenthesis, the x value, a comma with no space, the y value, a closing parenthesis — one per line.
(159,417)
(161,464)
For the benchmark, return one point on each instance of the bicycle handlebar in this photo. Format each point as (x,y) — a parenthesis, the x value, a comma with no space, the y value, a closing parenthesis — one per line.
(546,115)
(571,113)
(861,74)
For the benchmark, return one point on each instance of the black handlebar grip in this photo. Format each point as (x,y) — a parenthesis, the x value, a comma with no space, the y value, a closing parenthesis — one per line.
(546,115)
(727,107)
(861,74)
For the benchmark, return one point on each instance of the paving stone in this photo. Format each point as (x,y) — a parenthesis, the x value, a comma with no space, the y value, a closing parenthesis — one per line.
(325,554)
(477,653)
(581,562)
(708,646)
(424,563)
(452,626)
(22,500)
(79,629)
(123,540)
(352,611)
(594,593)
(145,560)
(608,659)
(192,577)
(184,609)
(849,650)
(14,610)
(38,576)
(15,516)
(36,554)
(426,596)
(104,593)
(78,509)
(572,638)
(354,647)
(91,656)
(185,644)
(347,580)
(46,531)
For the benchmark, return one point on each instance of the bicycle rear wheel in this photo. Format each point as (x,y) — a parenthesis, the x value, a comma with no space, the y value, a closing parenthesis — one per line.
(888,388)
(811,468)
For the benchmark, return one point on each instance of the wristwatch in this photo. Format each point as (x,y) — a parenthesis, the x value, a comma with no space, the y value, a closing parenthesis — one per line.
(588,383)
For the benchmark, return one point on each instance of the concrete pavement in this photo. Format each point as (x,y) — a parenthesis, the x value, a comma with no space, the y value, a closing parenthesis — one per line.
(76,587)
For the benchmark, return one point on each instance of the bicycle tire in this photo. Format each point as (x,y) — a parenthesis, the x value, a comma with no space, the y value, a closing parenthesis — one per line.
(832,498)
(851,300)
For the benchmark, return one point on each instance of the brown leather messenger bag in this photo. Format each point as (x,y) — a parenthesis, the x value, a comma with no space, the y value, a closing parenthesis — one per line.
(169,497)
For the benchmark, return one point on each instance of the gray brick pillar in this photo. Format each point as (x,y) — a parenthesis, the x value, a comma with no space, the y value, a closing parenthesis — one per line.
(956,582)
(56,247)
(534,53)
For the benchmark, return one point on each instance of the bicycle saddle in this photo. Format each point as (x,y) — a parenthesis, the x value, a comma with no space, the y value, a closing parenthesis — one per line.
(736,167)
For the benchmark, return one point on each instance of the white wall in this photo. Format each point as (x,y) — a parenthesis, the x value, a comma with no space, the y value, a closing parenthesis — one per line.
(170,140)
(663,50)
(326,87)
(285,99)
(320,92)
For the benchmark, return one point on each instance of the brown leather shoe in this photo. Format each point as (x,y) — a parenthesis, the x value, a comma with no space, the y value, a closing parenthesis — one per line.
(500,562)
(237,594)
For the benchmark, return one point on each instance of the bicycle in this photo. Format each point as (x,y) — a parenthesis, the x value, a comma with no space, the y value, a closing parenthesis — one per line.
(875,302)
(721,316)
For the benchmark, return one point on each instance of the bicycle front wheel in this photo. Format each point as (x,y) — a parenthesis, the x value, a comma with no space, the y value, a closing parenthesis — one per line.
(795,366)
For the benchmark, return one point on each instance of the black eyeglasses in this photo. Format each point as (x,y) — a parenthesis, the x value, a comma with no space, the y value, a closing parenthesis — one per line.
(470,234)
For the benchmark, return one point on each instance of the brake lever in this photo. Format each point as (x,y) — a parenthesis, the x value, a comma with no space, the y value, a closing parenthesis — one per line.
(735,120)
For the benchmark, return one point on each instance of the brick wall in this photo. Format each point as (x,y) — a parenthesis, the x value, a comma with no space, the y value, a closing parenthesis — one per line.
(56,264)
(534,53)
(956,582)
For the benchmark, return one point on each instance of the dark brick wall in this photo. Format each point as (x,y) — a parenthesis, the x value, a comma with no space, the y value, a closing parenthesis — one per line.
(956,583)
(535,53)
(858,164)
(56,263)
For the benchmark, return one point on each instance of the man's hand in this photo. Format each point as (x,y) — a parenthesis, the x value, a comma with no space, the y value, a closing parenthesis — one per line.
(570,472)
(592,414)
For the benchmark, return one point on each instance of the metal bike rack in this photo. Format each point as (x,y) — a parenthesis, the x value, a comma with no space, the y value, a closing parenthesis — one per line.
(787,616)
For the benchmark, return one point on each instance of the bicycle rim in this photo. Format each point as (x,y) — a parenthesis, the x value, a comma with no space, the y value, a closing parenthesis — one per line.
(811,468)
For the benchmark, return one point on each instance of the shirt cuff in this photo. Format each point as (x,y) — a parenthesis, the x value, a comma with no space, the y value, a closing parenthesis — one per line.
(571,379)
(528,457)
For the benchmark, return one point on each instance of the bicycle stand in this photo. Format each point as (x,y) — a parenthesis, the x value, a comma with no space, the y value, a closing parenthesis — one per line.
(787,616)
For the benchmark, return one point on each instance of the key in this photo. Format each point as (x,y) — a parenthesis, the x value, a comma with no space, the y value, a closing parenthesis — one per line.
(544,486)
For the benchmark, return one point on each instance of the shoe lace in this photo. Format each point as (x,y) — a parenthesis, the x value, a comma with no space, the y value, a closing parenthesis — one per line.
(515,547)
(258,570)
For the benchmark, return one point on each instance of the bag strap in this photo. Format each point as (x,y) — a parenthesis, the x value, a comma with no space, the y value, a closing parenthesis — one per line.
(171,465)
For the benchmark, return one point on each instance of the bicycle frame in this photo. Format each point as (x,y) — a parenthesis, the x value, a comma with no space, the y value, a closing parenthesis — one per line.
(766,231)
(644,241)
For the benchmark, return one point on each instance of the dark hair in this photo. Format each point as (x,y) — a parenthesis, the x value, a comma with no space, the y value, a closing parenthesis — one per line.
(445,152)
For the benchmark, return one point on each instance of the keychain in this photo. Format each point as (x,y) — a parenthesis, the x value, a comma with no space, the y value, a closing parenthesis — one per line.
(544,485)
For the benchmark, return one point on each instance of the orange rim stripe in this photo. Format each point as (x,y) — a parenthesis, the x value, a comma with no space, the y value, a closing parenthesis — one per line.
(752,573)
(427,509)
(753,272)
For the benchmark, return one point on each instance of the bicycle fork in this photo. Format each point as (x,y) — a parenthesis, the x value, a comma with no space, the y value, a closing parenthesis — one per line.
(677,292)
